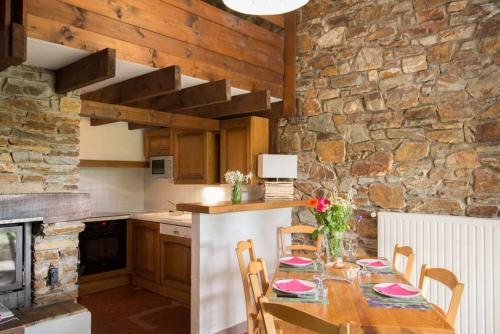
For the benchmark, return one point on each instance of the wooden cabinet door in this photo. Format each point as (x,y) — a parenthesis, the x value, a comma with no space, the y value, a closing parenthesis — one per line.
(175,261)
(195,157)
(158,142)
(242,140)
(146,241)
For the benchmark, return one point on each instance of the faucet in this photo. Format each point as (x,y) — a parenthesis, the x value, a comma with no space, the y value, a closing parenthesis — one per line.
(172,204)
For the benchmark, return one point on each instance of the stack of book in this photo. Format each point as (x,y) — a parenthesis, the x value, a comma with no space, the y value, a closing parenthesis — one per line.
(278,190)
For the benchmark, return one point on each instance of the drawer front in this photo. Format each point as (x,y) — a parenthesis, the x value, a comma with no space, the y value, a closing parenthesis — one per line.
(179,231)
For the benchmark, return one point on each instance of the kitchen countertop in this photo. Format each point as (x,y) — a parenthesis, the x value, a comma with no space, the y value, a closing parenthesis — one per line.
(225,207)
(166,217)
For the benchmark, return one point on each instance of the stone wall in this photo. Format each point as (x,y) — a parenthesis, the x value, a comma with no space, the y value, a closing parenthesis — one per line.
(401,106)
(39,133)
(39,145)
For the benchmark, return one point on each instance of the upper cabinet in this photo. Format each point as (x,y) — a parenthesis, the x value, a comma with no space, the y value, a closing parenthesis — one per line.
(242,140)
(158,142)
(196,157)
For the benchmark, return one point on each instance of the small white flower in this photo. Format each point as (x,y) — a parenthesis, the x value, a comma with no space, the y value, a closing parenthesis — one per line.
(232,177)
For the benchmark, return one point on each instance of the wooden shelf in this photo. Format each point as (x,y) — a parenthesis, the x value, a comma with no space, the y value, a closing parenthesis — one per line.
(114,163)
(224,207)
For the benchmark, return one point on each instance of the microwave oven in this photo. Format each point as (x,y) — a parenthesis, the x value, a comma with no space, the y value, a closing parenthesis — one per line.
(162,167)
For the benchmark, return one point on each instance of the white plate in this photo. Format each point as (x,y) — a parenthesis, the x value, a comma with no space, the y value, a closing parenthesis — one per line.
(368,261)
(311,285)
(410,288)
(309,261)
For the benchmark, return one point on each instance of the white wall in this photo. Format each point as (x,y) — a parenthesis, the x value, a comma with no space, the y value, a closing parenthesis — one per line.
(112,141)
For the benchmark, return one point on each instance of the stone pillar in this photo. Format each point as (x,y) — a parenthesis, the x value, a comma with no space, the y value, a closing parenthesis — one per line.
(55,244)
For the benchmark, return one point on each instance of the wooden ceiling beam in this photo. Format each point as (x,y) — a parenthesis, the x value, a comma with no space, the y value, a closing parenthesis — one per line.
(146,86)
(205,94)
(98,122)
(84,72)
(13,35)
(240,105)
(118,113)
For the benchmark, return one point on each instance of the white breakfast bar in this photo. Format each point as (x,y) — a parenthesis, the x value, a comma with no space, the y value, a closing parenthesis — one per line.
(217,299)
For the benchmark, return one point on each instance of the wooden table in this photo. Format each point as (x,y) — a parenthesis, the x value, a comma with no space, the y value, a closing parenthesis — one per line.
(347,304)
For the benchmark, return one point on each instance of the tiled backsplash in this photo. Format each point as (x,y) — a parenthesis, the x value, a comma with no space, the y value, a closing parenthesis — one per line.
(114,189)
(133,189)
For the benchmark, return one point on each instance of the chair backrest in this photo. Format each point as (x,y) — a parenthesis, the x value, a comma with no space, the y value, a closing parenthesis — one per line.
(297,318)
(304,229)
(257,275)
(246,246)
(449,279)
(406,251)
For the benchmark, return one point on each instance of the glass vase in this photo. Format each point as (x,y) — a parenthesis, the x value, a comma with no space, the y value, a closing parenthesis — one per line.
(236,193)
(334,246)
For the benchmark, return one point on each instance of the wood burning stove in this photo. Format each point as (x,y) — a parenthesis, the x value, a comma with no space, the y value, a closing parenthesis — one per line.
(15,265)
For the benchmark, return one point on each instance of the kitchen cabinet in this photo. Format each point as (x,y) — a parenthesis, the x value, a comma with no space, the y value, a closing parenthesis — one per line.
(196,157)
(241,141)
(162,259)
(158,142)
(175,257)
(146,244)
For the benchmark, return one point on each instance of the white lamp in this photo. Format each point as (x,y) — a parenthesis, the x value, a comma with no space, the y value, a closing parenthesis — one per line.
(277,166)
(264,7)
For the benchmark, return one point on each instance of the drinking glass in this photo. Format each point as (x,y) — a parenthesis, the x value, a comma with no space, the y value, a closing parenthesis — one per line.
(364,274)
(351,247)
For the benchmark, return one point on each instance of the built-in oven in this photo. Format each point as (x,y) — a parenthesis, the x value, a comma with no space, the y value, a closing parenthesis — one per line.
(103,246)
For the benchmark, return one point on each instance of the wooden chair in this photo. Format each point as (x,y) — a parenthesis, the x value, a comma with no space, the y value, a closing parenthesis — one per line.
(298,318)
(406,251)
(304,229)
(449,279)
(251,305)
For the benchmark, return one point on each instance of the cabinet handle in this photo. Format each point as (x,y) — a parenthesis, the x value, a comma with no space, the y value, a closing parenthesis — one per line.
(176,232)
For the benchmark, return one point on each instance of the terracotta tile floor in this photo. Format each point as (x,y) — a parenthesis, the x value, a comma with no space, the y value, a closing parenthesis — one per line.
(133,310)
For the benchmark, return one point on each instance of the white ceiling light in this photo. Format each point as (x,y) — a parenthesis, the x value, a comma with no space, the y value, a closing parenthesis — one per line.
(264,7)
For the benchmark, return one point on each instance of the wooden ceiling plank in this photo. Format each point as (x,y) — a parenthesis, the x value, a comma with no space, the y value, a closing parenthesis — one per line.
(72,36)
(113,112)
(200,95)
(145,86)
(239,105)
(94,68)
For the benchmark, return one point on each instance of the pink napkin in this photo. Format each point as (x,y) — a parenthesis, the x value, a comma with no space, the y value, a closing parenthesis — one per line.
(296,260)
(377,264)
(292,286)
(396,289)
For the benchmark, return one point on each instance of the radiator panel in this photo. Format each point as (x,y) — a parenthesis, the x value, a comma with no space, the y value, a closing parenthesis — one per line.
(470,247)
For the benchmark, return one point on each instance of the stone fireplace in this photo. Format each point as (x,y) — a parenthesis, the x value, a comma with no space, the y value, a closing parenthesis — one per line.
(50,226)
(39,174)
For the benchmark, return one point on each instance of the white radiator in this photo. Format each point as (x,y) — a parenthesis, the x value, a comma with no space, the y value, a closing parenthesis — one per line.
(470,247)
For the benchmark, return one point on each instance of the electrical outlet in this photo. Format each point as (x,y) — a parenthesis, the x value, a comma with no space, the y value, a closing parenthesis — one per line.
(53,276)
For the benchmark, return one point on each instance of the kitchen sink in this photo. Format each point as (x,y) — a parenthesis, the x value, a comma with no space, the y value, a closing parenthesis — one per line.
(165,217)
